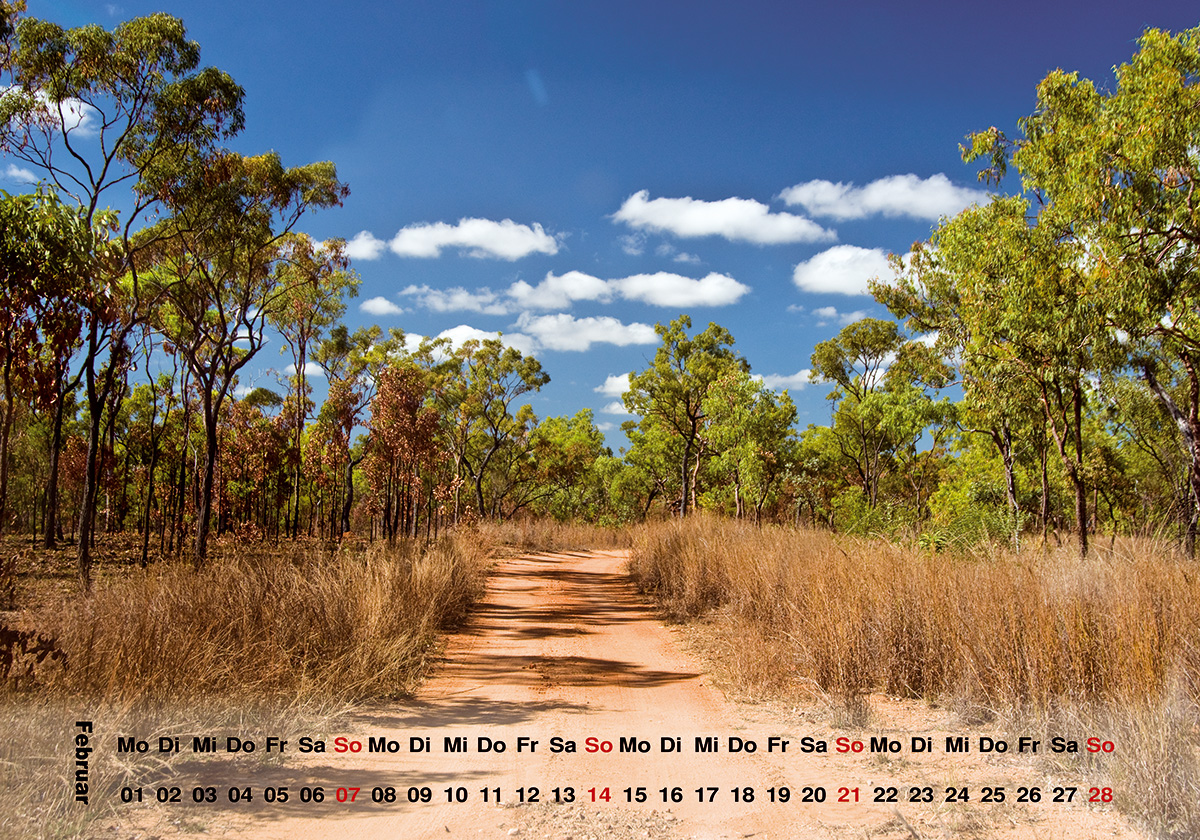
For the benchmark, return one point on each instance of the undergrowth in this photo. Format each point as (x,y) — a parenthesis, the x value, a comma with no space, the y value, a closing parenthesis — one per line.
(279,639)
(1110,641)
(310,623)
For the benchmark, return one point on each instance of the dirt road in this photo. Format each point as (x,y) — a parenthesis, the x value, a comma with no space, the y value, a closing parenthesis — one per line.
(563,648)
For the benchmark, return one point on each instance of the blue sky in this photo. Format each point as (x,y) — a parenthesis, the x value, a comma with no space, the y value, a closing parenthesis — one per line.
(572,173)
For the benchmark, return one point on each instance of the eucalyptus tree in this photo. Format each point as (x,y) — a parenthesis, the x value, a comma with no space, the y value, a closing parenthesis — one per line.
(213,264)
(670,393)
(352,363)
(1120,167)
(1114,173)
(564,452)
(1017,288)
(881,407)
(750,433)
(315,280)
(107,117)
(47,251)
(477,387)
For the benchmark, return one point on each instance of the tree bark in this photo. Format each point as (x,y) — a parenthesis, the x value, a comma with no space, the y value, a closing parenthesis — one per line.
(1189,430)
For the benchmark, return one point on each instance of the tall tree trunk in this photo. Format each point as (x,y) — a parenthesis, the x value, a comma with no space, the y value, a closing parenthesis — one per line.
(5,436)
(91,479)
(149,505)
(97,394)
(684,479)
(348,498)
(204,509)
(1189,431)
(1077,474)
(50,522)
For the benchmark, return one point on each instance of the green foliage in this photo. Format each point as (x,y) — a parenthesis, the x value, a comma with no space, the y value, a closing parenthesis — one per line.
(750,434)
(881,406)
(669,397)
(567,455)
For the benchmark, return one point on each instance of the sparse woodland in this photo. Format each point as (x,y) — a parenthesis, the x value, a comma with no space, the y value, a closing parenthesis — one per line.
(1045,387)
(1039,398)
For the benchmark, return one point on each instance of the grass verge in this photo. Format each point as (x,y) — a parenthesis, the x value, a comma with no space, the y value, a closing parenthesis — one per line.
(279,640)
(1108,642)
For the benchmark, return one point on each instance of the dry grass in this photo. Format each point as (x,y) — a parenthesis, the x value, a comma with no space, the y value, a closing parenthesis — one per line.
(1110,642)
(547,535)
(297,623)
(275,640)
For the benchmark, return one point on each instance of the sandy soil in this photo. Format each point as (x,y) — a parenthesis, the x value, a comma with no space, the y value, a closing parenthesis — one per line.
(562,647)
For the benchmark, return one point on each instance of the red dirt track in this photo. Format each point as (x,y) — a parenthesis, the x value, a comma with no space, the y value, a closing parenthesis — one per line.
(563,646)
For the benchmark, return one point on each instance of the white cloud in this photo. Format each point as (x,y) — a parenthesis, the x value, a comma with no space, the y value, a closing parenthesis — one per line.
(69,115)
(666,249)
(310,369)
(505,240)
(564,332)
(463,333)
(19,174)
(896,195)
(380,306)
(412,342)
(665,289)
(614,386)
(364,246)
(733,218)
(615,407)
(458,299)
(796,382)
(843,269)
(559,291)
(74,115)
(828,314)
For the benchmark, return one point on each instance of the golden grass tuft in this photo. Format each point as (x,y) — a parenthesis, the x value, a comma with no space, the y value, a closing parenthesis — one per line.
(1028,630)
(295,623)
(278,639)
(1109,642)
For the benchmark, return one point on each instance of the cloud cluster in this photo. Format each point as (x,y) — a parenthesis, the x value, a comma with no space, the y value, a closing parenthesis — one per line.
(310,369)
(535,333)
(458,299)
(479,238)
(380,306)
(463,333)
(842,269)
(735,219)
(614,386)
(565,332)
(796,382)
(829,315)
(897,195)
(560,291)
